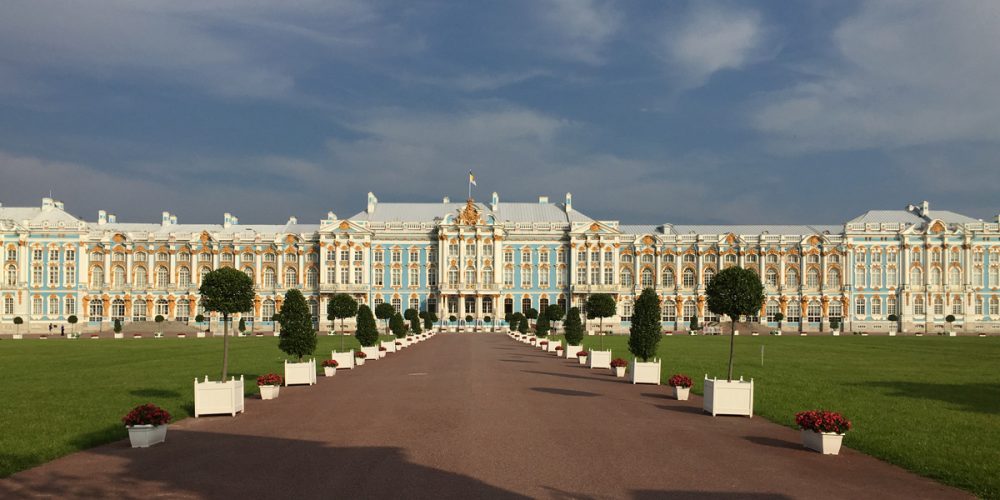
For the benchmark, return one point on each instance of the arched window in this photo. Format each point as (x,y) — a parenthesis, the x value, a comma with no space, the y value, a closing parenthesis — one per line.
(688,278)
(140,277)
(183,312)
(269,278)
(668,277)
(669,311)
(647,277)
(162,277)
(267,310)
(833,277)
(249,272)
(955,277)
(162,308)
(791,277)
(118,309)
(709,275)
(184,277)
(11,275)
(53,306)
(771,277)
(812,278)
(69,306)
(918,306)
(291,277)
(139,312)
(312,277)
(96,310)
(626,277)
(97,278)
(202,273)
(916,276)
(935,275)
(488,275)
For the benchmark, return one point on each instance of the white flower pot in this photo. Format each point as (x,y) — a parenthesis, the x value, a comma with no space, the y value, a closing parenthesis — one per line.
(269,391)
(200,335)
(619,371)
(681,393)
(329,371)
(728,398)
(213,398)
(827,443)
(303,373)
(18,336)
(382,353)
(582,360)
(599,359)
(119,335)
(359,361)
(144,436)
(345,360)
(389,346)
(645,372)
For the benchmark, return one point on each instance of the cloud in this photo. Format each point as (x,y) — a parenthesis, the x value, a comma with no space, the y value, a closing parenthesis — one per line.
(902,74)
(709,39)
(577,30)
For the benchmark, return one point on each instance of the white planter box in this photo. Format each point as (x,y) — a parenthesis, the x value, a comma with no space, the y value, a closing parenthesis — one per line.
(18,336)
(269,391)
(119,335)
(214,398)
(952,334)
(827,443)
(551,347)
(728,398)
(619,371)
(571,351)
(582,360)
(345,360)
(329,371)
(681,393)
(300,373)
(645,373)
(836,333)
(599,359)
(144,436)
(389,346)
(370,352)
(200,335)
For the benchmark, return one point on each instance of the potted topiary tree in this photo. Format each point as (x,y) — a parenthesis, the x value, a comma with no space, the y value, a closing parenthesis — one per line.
(158,319)
(522,324)
(452,319)
(733,292)
(298,338)
(413,317)
(341,306)
(366,333)
(117,327)
(242,327)
(199,319)
(489,319)
(644,336)
(950,319)
(531,314)
(398,328)
(17,327)
(506,319)
(555,315)
(574,332)
(893,324)
(835,326)
(601,305)
(227,291)
(693,326)
(72,320)
(384,312)
(779,318)
(469,321)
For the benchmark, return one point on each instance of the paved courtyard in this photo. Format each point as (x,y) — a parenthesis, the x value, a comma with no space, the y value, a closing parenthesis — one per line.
(472,416)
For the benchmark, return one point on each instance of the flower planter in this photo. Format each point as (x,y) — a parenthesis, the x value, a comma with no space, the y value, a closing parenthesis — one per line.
(599,359)
(214,398)
(269,391)
(329,371)
(571,351)
(359,361)
(370,352)
(728,398)
(645,372)
(18,336)
(144,436)
(582,360)
(137,336)
(95,337)
(619,371)
(345,360)
(827,443)
(303,373)
(200,335)
(389,346)
(181,336)
(681,393)
(551,347)
(119,335)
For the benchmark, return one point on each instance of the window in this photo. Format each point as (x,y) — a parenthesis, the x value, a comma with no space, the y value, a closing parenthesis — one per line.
(54,255)
(379,277)
(772,258)
(432,276)
(36,256)
(508,276)
(396,277)
(730,260)
(771,310)
(711,258)
(247,258)
(488,275)
(162,257)
(269,257)
(70,306)
(791,277)
(833,277)
(470,249)
(561,256)
(793,258)
(915,255)
(918,305)
(525,304)
(813,312)
(269,277)
(709,274)
(414,279)
(859,277)
(890,305)
(647,278)
(345,275)
(12,255)
(183,311)
(626,277)
(184,278)
(249,272)
(955,276)
(70,275)
(938,306)
(688,311)
(994,276)
(936,256)
(627,258)
(96,256)
(470,276)
(647,258)
(771,278)
(118,309)
(956,305)
(118,277)
(291,276)
(994,308)
(608,256)
(526,277)
(627,310)
(267,310)
(162,308)
(312,277)
(96,310)
(414,255)
(595,255)
(525,256)
(162,277)
(669,311)
(139,312)
(561,277)
(794,313)
(543,277)
(859,306)
(835,311)
(891,277)
(487,305)
(377,256)
(36,275)
(97,277)
(11,275)
(876,277)
(54,276)
(688,278)
(508,256)
(227,257)
(668,258)
(581,276)
(8,305)
(977,276)
(935,276)
(140,277)
(183,256)
(53,306)
(668,277)
(488,249)
(397,256)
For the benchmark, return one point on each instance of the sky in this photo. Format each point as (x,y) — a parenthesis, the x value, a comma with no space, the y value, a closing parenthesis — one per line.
(649,112)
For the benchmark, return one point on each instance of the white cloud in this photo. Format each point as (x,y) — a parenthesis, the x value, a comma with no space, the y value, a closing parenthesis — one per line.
(904,74)
(578,30)
(710,39)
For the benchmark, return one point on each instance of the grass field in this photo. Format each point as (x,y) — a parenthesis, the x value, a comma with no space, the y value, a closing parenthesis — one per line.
(929,404)
(63,396)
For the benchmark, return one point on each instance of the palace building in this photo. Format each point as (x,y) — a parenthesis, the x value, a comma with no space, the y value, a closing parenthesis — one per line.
(489,259)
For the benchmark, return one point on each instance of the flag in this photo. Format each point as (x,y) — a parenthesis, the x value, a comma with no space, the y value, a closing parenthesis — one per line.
(472,179)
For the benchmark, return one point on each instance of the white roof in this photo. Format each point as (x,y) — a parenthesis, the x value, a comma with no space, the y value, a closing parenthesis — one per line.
(35,215)
(505,212)
(757,229)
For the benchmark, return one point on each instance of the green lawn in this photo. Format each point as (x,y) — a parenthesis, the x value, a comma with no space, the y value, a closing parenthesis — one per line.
(929,404)
(62,396)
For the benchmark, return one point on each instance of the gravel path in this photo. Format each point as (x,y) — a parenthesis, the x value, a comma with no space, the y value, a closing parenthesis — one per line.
(472,416)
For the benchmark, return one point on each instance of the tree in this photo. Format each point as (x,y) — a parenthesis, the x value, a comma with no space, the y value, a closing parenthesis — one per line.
(414,318)
(779,317)
(199,318)
(341,306)
(367,331)
(735,292)
(452,318)
(159,318)
(892,317)
(601,305)
(429,320)
(384,312)
(694,322)
(555,313)
(17,324)
(531,314)
(542,326)
(227,291)
(522,325)
(118,325)
(489,319)
(506,318)
(515,321)
(573,327)
(644,334)
(242,326)
(72,319)
(835,323)
(397,325)
(298,338)
(468,319)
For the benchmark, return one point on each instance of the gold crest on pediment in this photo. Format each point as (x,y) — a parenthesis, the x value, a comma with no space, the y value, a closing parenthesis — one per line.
(469,216)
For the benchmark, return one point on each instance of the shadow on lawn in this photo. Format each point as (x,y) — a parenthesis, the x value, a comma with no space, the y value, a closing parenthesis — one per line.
(976,397)
(155,393)
(201,464)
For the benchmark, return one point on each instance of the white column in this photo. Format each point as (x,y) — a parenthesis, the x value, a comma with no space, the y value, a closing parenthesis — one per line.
(128,268)
(107,268)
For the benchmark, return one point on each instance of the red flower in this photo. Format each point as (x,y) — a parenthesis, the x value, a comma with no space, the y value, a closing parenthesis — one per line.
(270,379)
(559,347)
(581,353)
(360,354)
(619,363)
(147,414)
(331,363)
(822,421)
(680,380)
(382,348)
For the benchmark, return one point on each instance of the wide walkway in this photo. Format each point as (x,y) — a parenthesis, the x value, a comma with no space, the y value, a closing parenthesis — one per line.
(472,416)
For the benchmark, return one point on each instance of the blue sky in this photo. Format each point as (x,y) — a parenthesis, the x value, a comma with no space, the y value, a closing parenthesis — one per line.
(648,111)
